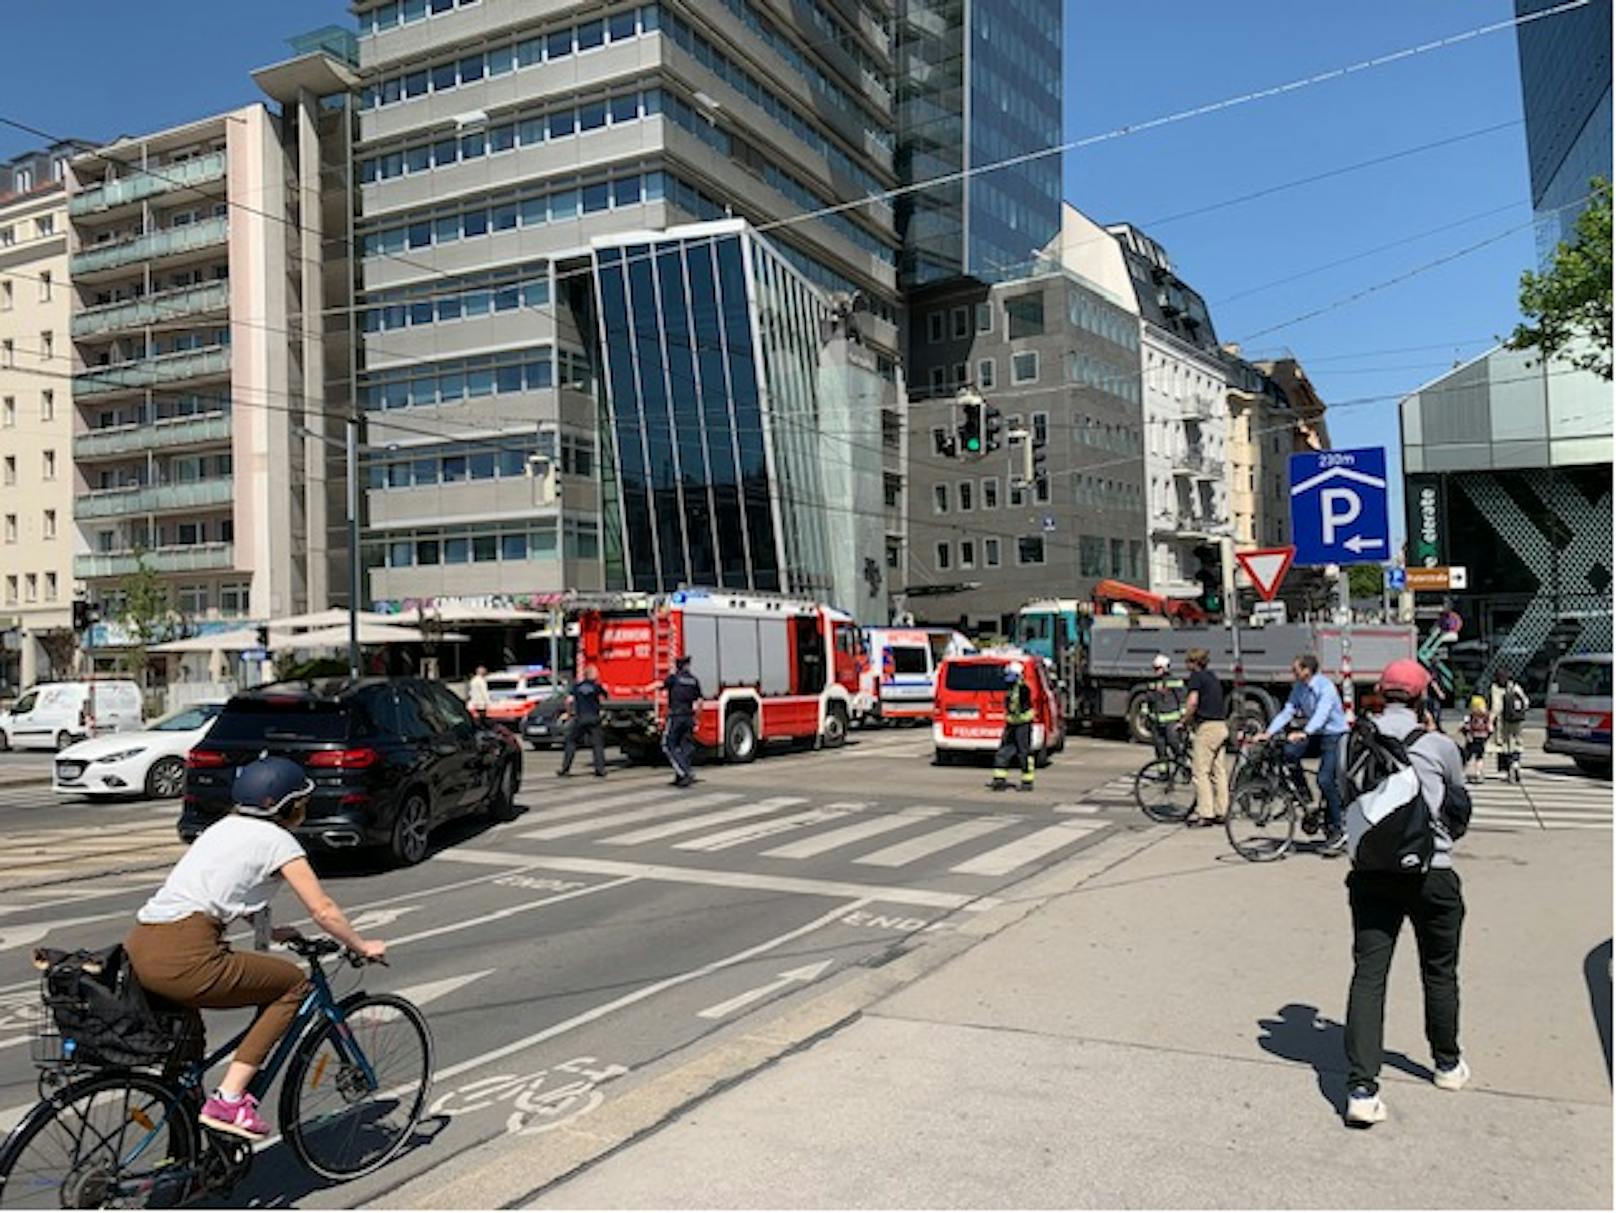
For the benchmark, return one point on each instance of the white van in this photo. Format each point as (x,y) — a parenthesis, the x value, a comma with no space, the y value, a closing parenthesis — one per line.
(904,664)
(53,715)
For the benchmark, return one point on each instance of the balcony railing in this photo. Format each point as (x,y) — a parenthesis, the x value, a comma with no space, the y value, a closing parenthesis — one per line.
(1192,462)
(150,246)
(154,309)
(170,432)
(143,184)
(189,559)
(1195,410)
(148,372)
(153,499)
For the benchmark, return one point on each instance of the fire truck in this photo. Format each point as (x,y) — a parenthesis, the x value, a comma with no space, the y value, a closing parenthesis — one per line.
(772,667)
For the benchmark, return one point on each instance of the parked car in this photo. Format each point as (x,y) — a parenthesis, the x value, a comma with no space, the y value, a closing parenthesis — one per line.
(969,711)
(54,715)
(1578,711)
(391,760)
(513,692)
(149,763)
(543,727)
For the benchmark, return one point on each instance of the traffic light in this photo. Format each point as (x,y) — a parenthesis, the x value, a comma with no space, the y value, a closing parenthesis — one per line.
(263,636)
(1034,458)
(1210,577)
(992,428)
(971,431)
(84,615)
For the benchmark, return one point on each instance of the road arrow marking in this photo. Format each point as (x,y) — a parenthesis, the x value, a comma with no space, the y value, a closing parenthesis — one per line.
(431,991)
(385,917)
(30,933)
(1362,543)
(805,974)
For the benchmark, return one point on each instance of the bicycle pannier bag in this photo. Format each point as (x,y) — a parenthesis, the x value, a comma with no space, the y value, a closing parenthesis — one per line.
(100,1008)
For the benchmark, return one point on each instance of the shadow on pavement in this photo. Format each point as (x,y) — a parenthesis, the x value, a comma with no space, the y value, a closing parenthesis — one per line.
(1596,971)
(1302,1034)
(278,1181)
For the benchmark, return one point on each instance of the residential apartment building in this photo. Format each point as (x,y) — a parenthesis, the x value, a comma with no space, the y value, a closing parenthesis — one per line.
(1274,413)
(206,396)
(36,417)
(578,221)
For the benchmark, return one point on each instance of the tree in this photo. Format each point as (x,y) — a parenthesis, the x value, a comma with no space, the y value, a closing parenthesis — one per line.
(1567,307)
(60,645)
(145,615)
(1365,580)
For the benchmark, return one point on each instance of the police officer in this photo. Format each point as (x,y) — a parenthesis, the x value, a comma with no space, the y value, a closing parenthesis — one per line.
(1165,699)
(1016,743)
(678,741)
(583,724)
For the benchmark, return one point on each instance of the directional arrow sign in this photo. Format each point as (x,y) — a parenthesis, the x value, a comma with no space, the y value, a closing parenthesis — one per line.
(1267,568)
(804,975)
(1338,507)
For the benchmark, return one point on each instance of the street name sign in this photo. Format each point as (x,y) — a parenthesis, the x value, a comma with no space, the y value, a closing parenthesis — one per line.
(1338,507)
(1438,580)
(1267,568)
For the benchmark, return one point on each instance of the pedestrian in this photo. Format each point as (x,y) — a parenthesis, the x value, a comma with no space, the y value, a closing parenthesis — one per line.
(1015,743)
(1315,702)
(1508,705)
(1477,728)
(1164,701)
(583,723)
(678,739)
(1206,715)
(1433,704)
(477,698)
(1432,900)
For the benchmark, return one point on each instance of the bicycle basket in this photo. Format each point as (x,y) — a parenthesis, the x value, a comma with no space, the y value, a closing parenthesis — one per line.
(95,1013)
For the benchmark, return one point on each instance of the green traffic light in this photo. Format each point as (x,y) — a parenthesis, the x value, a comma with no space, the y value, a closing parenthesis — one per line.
(973,444)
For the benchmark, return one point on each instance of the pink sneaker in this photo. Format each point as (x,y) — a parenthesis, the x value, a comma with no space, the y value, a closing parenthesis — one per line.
(239,1118)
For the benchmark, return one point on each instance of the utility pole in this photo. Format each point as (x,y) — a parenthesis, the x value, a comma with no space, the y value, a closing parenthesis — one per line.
(353,544)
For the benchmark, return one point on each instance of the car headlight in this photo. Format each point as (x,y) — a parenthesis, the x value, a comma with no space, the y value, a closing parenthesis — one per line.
(121,755)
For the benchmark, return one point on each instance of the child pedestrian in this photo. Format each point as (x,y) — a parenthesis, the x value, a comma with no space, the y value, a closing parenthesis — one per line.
(1477,728)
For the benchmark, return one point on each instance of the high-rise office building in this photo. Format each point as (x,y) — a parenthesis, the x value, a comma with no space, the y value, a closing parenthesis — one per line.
(1565,92)
(978,83)
(603,239)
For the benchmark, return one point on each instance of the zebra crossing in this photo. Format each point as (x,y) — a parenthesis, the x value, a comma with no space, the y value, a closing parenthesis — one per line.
(37,855)
(866,835)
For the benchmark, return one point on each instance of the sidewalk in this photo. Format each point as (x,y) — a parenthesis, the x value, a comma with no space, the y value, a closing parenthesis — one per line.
(1169,1034)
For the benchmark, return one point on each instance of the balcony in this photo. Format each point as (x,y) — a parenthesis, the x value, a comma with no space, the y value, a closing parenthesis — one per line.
(167,243)
(153,372)
(187,174)
(153,311)
(1192,462)
(1195,410)
(194,558)
(170,432)
(155,499)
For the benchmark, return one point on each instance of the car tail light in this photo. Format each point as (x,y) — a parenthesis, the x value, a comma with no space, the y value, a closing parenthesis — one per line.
(198,760)
(343,760)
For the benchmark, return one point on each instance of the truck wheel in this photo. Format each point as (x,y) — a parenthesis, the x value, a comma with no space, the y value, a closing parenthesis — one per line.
(740,737)
(1256,706)
(835,733)
(1138,719)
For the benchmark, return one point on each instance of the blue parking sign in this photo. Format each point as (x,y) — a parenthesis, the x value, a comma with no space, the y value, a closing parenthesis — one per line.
(1338,507)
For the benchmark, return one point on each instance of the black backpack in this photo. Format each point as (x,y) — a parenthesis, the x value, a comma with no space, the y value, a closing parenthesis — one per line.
(1515,704)
(1389,826)
(102,1013)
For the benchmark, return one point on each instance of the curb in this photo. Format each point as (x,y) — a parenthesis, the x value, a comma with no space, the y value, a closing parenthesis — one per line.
(499,1174)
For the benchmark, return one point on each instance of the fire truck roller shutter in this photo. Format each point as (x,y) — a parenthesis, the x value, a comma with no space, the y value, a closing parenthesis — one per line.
(776,656)
(738,663)
(701,643)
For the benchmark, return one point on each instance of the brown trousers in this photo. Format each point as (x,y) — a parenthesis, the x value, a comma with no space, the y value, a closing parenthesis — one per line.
(1206,764)
(189,964)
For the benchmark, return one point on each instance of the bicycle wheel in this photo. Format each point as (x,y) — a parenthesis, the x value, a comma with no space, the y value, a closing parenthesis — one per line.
(114,1140)
(1262,819)
(1165,790)
(340,1120)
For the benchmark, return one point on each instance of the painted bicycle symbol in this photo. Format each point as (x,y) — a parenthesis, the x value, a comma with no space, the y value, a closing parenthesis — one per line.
(542,1101)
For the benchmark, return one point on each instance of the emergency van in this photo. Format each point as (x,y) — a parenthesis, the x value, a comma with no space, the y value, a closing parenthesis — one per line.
(903,667)
(969,712)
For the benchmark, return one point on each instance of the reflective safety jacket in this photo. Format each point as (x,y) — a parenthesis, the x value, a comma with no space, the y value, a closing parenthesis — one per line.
(1167,700)
(1018,704)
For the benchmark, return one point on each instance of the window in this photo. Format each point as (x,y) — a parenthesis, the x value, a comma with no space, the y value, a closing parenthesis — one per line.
(47,405)
(938,380)
(986,370)
(50,524)
(1024,367)
(1030,549)
(31,587)
(11,589)
(46,225)
(1040,427)
(8,237)
(5,295)
(1018,495)
(48,465)
(234,598)
(967,554)
(944,555)
(990,553)
(1041,490)
(8,353)
(1090,556)
(50,587)
(47,346)
(193,600)
(10,470)
(1026,315)
(984,317)
(44,286)
(939,440)
(1118,547)
(965,488)
(962,323)
(934,327)
(939,502)
(11,528)
(8,412)
(990,492)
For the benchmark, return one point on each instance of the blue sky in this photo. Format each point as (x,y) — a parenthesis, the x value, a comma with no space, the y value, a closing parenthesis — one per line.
(1123,67)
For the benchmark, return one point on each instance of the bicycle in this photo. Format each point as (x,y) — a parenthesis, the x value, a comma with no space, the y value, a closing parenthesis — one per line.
(359,1071)
(1265,806)
(1164,787)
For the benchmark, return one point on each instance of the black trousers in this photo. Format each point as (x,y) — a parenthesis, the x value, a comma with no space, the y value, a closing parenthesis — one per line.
(580,732)
(679,743)
(1434,904)
(1015,746)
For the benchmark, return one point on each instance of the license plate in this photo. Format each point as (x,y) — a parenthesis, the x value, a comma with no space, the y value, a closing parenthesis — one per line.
(70,770)
(962,713)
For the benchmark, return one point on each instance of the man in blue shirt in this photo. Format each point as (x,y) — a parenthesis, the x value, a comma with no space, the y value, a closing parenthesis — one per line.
(1317,723)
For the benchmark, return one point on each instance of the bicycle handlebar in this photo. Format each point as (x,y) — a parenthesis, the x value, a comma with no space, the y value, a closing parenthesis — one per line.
(315,949)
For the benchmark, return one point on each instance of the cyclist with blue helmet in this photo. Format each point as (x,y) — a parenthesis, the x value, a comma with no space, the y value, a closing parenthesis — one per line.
(232,870)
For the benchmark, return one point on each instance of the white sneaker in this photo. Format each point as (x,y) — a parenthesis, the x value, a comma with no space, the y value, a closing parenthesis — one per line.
(1454,1079)
(1365,1108)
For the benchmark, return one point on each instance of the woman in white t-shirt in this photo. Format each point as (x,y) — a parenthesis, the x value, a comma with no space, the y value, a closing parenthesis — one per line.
(233,869)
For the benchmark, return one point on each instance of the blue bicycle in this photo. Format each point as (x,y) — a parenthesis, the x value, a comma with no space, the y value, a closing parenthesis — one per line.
(357,1074)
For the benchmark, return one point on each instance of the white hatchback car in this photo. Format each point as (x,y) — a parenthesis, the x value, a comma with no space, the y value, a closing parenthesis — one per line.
(149,763)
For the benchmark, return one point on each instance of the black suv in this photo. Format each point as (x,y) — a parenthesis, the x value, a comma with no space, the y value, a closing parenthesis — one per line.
(391,758)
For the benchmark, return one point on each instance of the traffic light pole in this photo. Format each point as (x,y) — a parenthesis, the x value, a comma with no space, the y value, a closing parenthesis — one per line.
(353,546)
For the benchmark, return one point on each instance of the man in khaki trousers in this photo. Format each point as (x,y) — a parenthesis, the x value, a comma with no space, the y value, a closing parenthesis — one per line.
(1206,712)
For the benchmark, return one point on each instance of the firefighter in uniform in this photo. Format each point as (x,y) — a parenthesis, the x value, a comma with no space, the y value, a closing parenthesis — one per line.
(1165,702)
(1016,744)
(678,741)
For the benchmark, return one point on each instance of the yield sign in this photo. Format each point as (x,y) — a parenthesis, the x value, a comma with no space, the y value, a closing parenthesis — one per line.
(1267,568)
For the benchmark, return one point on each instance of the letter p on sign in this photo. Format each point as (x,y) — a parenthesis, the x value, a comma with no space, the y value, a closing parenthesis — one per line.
(1338,507)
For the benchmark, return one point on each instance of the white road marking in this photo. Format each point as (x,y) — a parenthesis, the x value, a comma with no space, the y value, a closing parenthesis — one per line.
(644,992)
(371,920)
(902,853)
(431,991)
(508,912)
(611,820)
(31,933)
(803,975)
(753,831)
(896,894)
(545,816)
(1006,859)
(686,825)
(1077,808)
(818,844)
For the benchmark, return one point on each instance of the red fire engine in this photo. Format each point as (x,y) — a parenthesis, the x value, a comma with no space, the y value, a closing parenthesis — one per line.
(771,667)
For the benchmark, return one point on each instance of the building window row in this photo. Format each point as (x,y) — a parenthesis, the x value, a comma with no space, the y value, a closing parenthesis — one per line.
(406,12)
(1120,558)
(452,380)
(444,301)
(1091,371)
(1103,320)
(24,588)
(178,469)
(461,464)
(1099,493)
(139,536)
(1106,436)
(967,552)
(485,545)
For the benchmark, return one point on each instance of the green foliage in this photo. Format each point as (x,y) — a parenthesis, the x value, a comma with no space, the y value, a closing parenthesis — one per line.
(146,615)
(1569,303)
(1365,580)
